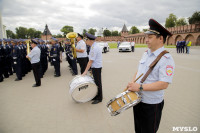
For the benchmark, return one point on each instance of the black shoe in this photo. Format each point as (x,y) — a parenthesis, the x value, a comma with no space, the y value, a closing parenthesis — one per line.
(17,79)
(35,85)
(56,75)
(96,101)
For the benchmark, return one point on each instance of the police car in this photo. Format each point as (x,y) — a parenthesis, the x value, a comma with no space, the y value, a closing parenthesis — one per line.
(104,45)
(124,46)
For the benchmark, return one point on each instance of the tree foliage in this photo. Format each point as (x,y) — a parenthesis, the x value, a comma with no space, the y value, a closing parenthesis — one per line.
(115,33)
(92,31)
(171,21)
(10,34)
(21,32)
(134,30)
(181,22)
(195,18)
(84,31)
(66,29)
(106,32)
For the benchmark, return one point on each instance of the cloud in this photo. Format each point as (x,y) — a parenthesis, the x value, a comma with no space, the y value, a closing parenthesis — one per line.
(84,14)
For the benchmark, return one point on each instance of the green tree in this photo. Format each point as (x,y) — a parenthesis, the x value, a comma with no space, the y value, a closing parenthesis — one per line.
(31,33)
(37,34)
(106,32)
(195,18)
(10,34)
(115,33)
(171,21)
(84,31)
(144,30)
(181,21)
(66,29)
(21,32)
(92,31)
(59,36)
(134,30)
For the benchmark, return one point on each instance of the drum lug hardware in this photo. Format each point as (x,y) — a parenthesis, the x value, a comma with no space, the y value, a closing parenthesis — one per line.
(110,108)
(129,98)
(124,100)
(118,103)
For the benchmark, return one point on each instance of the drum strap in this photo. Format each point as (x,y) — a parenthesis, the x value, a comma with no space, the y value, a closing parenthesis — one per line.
(153,64)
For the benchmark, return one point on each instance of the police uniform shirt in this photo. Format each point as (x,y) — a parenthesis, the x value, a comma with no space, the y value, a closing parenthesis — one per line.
(95,55)
(132,43)
(81,45)
(163,71)
(35,55)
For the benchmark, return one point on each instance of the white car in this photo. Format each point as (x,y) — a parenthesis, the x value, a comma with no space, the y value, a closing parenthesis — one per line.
(125,46)
(103,46)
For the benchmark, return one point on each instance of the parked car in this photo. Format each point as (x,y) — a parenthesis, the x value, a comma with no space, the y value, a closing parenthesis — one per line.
(125,46)
(104,46)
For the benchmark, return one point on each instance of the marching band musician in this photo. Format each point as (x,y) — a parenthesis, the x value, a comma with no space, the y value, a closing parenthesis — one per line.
(95,62)
(34,55)
(2,56)
(55,54)
(147,114)
(81,52)
(17,60)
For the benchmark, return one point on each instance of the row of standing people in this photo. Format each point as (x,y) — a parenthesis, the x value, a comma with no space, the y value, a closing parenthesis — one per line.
(183,46)
(13,59)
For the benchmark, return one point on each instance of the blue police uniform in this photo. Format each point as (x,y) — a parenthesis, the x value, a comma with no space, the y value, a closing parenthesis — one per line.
(147,113)
(2,56)
(55,54)
(16,54)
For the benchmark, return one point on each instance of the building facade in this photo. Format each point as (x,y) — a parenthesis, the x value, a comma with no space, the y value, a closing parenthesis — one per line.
(187,32)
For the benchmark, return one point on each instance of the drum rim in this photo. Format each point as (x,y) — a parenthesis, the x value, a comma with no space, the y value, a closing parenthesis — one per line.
(119,95)
(126,106)
(87,100)
(78,76)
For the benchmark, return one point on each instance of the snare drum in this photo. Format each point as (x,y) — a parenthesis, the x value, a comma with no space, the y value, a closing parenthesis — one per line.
(82,88)
(123,101)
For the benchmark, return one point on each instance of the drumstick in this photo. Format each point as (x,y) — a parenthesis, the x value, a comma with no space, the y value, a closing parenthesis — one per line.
(134,81)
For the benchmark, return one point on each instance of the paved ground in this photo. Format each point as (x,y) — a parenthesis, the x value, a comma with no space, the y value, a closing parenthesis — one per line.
(50,109)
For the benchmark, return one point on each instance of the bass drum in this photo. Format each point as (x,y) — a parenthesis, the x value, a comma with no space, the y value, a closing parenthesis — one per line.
(82,89)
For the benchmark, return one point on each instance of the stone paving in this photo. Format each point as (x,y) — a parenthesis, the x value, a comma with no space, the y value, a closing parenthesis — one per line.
(50,108)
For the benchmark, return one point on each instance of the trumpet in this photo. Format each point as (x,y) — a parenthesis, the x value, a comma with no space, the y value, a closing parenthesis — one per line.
(72,36)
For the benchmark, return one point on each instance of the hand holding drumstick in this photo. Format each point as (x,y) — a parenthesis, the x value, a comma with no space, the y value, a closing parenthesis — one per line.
(132,86)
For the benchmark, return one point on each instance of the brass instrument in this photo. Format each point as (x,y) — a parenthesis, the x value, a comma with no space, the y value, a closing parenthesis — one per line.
(72,36)
(28,47)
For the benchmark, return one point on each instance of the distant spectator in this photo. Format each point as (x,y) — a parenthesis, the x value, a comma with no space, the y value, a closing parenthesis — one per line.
(188,46)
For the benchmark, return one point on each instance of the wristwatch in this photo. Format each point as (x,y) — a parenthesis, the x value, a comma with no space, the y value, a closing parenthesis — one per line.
(141,88)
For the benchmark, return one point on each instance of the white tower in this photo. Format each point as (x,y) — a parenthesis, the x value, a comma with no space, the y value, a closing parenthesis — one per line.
(2,29)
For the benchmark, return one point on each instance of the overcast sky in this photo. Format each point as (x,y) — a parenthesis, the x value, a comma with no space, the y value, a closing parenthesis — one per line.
(85,14)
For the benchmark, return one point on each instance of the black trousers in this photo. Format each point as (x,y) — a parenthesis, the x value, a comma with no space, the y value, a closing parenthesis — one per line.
(97,79)
(17,68)
(83,63)
(36,72)
(132,48)
(56,63)
(74,66)
(147,117)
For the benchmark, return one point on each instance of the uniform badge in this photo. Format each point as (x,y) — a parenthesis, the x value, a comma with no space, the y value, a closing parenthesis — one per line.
(169,70)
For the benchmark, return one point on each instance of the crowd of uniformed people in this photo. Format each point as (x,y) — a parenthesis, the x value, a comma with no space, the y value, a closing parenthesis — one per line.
(13,54)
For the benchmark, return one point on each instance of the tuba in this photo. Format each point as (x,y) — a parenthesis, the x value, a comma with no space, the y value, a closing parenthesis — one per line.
(72,36)
(28,47)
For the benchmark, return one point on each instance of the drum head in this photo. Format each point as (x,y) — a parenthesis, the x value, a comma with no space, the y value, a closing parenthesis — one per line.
(84,92)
